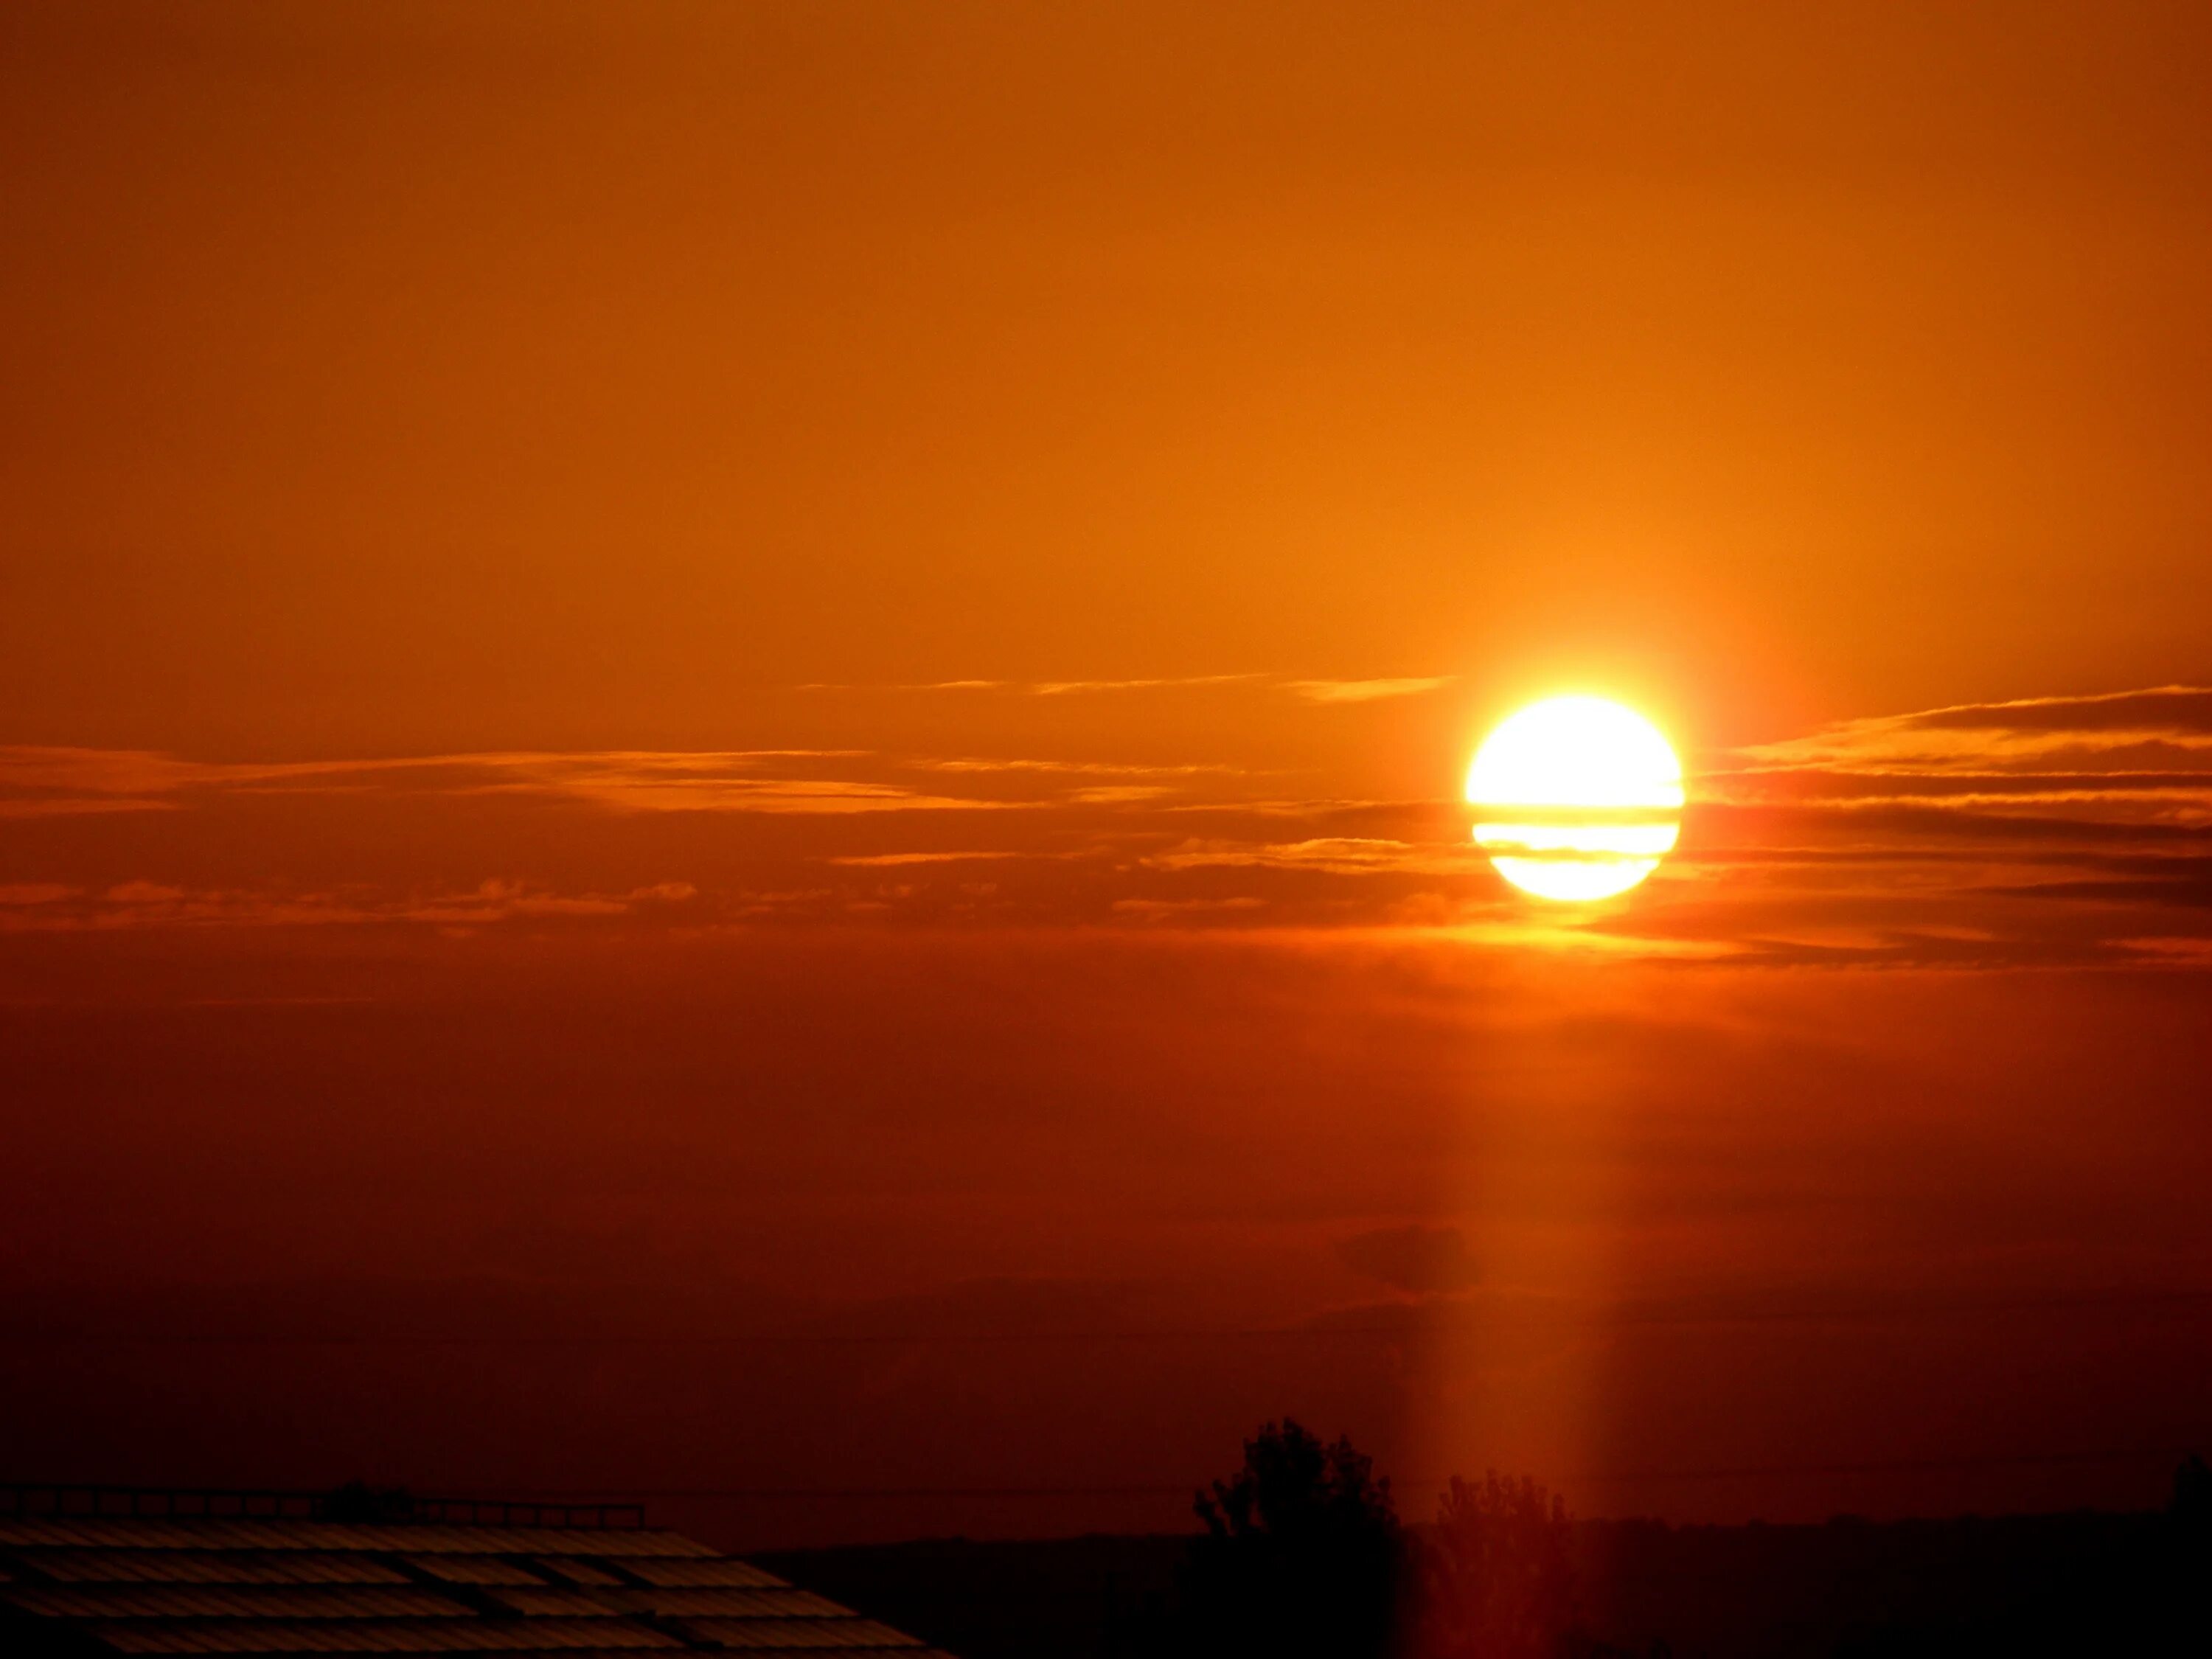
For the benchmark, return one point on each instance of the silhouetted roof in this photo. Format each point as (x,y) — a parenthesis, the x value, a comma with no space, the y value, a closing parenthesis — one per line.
(97,1584)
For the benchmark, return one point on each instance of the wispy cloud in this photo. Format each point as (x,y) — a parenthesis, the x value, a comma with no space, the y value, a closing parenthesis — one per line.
(1366,690)
(891,861)
(1045,688)
(65,806)
(2130,761)
(52,907)
(49,781)
(1076,688)
(2113,731)
(684,783)
(44,782)
(1312,690)
(2179,709)
(1118,794)
(1336,854)
(1080,768)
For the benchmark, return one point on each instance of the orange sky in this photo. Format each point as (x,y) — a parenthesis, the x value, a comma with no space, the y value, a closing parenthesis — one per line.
(743,723)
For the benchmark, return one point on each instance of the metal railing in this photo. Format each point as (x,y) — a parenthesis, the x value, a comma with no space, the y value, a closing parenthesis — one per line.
(65,1501)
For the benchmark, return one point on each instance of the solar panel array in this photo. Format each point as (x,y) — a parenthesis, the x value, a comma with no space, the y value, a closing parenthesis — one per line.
(83,1584)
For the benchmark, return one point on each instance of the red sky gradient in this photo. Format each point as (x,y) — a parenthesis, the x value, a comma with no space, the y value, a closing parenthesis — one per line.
(730,743)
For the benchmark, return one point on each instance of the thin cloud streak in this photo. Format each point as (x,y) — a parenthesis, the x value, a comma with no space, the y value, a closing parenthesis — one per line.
(46,782)
(889,860)
(1341,855)
(1367,690)
(2176,718)
(1082,769)
(1043,688)
(1310,690)
(146,904)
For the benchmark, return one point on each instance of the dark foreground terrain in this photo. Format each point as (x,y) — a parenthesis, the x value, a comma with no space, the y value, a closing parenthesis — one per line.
(2087,1583)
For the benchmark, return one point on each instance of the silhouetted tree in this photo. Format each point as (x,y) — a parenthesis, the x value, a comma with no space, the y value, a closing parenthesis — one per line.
(1300,1556)
(1495,1578)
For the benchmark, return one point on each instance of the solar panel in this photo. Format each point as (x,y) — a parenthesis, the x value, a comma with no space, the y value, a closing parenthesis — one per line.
(781,1602)
(439,1636)
(716,1571)
(208,1567)
(474,1569)
(576,1570)
(846,1633)
(233,1601)
(614,1541)
(294,1584)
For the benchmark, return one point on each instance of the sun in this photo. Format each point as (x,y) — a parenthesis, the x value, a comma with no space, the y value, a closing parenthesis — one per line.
(1575,798)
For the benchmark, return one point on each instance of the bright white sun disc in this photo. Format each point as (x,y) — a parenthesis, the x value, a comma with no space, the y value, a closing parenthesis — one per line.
(1576,798)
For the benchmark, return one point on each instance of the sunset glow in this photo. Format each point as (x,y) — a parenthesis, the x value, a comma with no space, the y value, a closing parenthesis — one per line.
(878,773)
(1578,798)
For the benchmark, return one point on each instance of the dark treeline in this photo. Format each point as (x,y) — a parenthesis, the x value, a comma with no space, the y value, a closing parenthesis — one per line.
(1304,1556)
(1303,1552)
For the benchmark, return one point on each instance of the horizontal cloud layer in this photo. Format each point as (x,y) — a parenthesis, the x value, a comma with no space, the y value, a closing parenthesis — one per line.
(2019,834)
